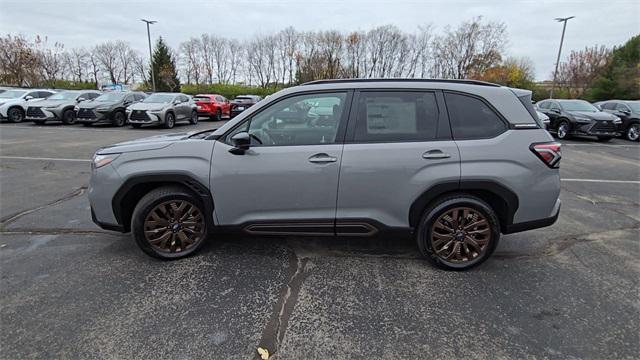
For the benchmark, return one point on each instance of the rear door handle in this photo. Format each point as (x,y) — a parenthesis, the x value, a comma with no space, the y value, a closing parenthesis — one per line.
(322,158)
(435,154)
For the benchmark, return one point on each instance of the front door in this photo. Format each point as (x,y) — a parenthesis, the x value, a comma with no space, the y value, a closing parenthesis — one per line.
(287,181)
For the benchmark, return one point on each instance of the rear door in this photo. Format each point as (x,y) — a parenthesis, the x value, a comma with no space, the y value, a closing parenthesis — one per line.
(287,181)
(398,145)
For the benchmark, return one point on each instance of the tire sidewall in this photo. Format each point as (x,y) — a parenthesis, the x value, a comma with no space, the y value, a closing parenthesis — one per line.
(13,111)
(169,120)
(68,119)
(142,210)
(628,132)
(566,135)
(123,118)
(194,117)
(430,216)
(219,115)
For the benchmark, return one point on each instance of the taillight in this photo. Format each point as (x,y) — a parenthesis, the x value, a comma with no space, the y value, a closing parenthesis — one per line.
(550,153)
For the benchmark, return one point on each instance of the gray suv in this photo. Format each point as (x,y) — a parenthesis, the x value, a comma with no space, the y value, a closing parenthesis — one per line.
(59,106)
(452,163)
(163,109)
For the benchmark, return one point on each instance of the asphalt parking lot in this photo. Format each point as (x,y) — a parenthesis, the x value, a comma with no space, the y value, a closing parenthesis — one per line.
(71,290)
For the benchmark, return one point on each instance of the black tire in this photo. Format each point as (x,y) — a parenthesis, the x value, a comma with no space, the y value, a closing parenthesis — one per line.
(633,132)
(219,115)
(438,209)
(15,114)
(194,117)
(119,119)
(136,126)
(169,120)
(604,138)
(563,134)
(149,202)
(68,117)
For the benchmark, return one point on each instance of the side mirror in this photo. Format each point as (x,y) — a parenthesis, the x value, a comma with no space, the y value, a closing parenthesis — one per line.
(241,142)
(555,111)
(625,111)
(28,97)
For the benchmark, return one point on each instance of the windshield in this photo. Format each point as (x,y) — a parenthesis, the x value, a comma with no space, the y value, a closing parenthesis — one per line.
(578,105)
(159,98)
(110,97)
(244,98)
(65,95)
(12,94)
(201,99)
(634,105)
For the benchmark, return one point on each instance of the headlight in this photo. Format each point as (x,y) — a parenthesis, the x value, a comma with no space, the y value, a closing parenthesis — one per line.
(75,108)
(102,160)
(50,107)
(128,110)
(617,120)
(102,109)
(582,120)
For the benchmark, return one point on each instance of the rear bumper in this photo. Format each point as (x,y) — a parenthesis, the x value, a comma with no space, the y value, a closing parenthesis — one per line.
(535,224)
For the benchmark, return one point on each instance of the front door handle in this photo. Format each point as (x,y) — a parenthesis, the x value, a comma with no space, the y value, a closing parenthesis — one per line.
(435,154)
(322,158)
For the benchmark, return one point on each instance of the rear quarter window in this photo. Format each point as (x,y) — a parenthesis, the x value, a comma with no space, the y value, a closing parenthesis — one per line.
(472,118)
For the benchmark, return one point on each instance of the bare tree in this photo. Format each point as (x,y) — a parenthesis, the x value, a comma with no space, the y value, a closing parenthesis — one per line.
(470,49)
(192,59)
(107,56)
(235,59)
(19,63)
(52,59)
(126,66)
(76,61)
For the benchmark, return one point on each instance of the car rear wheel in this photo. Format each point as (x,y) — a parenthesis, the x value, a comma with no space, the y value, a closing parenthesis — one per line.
(119,119)
(68,117)
(169,121)
(169,223)
(458,232)
(604,138)
(218,115)
(194,117)
(15,114)
(633,132)
(563,130)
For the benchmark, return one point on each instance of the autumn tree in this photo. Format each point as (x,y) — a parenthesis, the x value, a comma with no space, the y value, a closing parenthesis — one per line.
(620,78)
(582,68)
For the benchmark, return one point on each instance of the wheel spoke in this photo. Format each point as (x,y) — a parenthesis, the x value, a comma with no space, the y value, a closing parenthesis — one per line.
(460,235)
(476,224)
(165,228)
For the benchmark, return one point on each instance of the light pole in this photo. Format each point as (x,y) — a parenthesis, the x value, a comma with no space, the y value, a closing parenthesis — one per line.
(555,72)
(153,76)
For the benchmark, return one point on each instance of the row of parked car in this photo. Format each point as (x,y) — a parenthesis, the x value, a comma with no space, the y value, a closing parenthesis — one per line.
(605,119)
(117,108)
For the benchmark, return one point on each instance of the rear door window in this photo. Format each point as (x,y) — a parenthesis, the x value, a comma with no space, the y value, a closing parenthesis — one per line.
(472,118)
(390,116)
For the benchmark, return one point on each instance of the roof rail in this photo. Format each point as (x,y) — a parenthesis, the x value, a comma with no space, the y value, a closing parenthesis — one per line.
(454,81)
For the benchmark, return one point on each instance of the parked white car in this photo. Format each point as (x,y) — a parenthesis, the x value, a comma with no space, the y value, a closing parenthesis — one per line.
(13,103)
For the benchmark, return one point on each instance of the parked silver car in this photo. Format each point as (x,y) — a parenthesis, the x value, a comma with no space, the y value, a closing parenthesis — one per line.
(59,107)
(456,163)
(163,109)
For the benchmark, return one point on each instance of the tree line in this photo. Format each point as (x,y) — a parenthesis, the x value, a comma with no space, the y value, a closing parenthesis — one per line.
(474,49)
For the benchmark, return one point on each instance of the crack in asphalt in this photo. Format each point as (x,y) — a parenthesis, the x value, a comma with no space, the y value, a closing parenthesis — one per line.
(11,218)
(274,332)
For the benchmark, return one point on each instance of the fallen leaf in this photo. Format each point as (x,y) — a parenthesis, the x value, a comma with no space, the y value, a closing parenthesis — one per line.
(264,353)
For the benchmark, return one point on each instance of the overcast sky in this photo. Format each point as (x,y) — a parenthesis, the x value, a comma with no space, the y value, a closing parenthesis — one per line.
(532,31)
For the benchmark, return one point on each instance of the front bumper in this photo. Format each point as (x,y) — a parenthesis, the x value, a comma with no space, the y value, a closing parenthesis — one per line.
(91,116)
(103,184)
(41,114)
(144,117)
(598,128)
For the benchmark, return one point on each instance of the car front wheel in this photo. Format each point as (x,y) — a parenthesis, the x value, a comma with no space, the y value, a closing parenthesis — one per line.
(458,232)
(169,120)
(68,117)
(119,119)
(633,132)
(169,223)
(194,118)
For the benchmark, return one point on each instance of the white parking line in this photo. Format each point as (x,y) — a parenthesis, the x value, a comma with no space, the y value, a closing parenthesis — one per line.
(60,128)
(603,181)
(602,145)
(42,158)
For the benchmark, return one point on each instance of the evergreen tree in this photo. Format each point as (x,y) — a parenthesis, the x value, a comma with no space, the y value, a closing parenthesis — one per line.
(164,67)
(621,79)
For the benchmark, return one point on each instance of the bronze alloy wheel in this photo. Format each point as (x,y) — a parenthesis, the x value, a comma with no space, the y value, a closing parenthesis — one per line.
(460,235)
(174,226)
